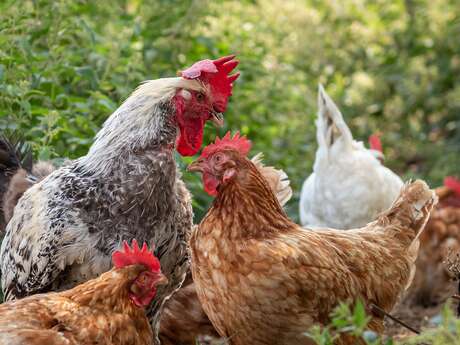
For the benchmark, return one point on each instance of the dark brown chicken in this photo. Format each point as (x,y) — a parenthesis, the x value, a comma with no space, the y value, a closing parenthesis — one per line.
(17,174)
(441,238)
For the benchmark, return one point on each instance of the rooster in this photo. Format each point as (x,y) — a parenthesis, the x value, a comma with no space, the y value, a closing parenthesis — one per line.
(65,228)
(262,279)
(108,310)
(349,186)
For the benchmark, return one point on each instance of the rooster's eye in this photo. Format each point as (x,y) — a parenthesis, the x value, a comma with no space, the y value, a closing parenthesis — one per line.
(200,96)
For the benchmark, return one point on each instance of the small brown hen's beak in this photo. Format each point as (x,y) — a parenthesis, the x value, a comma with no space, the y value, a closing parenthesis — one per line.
(162,280)
(217,118)
(196,166)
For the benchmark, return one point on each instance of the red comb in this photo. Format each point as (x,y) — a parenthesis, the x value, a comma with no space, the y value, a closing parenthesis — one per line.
(237,143)
(375,143)
(216,74)
(135,256)
(452,183)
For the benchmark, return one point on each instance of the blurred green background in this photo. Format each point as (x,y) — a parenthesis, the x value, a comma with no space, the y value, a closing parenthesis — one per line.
(391,66)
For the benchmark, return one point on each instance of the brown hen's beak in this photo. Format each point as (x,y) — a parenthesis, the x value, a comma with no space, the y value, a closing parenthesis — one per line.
(162,280)
(217,118)
(195,166)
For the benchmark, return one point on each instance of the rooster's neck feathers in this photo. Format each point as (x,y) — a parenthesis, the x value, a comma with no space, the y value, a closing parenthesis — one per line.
(144,122)
(251,206)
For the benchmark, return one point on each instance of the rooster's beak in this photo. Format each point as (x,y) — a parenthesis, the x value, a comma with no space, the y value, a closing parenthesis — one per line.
(162,280)
(217,118)
(196,166)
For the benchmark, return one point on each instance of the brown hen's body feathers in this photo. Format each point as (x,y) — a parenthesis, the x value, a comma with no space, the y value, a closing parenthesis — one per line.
(264,280)
(96,312)
(184,321)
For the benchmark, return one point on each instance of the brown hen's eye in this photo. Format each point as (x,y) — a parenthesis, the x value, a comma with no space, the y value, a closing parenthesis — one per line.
(200,96)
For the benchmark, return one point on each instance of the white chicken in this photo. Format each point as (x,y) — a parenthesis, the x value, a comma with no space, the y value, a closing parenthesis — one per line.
(349,186)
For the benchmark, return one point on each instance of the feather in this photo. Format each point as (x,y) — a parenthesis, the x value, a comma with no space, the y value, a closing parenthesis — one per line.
(349,186)
(276,178)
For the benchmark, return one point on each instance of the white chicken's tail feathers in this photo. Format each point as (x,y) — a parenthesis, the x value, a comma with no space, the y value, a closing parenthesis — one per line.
(276,178)
(330,123)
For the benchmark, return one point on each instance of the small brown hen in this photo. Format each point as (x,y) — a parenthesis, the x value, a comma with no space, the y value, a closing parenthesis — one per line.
(262,279)
(108,310)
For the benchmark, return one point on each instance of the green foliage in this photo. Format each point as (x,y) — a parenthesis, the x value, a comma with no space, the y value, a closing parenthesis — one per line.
(447,333)
(345,320)
(392,66)
(354,322)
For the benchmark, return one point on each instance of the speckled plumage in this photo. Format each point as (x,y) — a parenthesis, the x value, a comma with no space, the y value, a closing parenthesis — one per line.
(263,280)
(349,186)
(65,228)
(99,311)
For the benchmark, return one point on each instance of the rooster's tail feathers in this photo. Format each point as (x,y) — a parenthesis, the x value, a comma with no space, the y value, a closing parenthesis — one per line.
(330,123)
(276,178)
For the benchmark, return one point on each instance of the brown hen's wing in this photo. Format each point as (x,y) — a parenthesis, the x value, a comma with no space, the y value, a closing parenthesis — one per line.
(325,267)
(29,322)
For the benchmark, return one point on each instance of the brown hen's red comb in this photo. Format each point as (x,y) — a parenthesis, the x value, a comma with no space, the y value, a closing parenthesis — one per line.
(135,256)
(237,143)
(375,143)
(216,73)
(453,184)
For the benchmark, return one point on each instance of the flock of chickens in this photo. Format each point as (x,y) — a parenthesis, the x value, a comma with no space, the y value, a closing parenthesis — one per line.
(72,270)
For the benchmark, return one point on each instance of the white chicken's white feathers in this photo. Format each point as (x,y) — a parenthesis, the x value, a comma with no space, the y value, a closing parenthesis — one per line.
(349,186)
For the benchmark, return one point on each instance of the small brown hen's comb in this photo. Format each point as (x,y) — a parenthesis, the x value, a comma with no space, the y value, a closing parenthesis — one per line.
(216,73)
(237,143)
(135,256)
(375,143)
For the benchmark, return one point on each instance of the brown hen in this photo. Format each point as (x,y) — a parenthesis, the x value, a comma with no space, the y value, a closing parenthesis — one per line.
(108,310)
(184,321)
(262,279)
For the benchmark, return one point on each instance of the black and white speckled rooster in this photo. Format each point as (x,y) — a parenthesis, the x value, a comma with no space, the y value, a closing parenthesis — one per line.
(65,228)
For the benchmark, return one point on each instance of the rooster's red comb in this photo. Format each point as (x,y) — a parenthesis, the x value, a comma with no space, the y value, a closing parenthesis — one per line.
(453,184)
(135,256)
(237,143)
(375,143)
(216,73)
